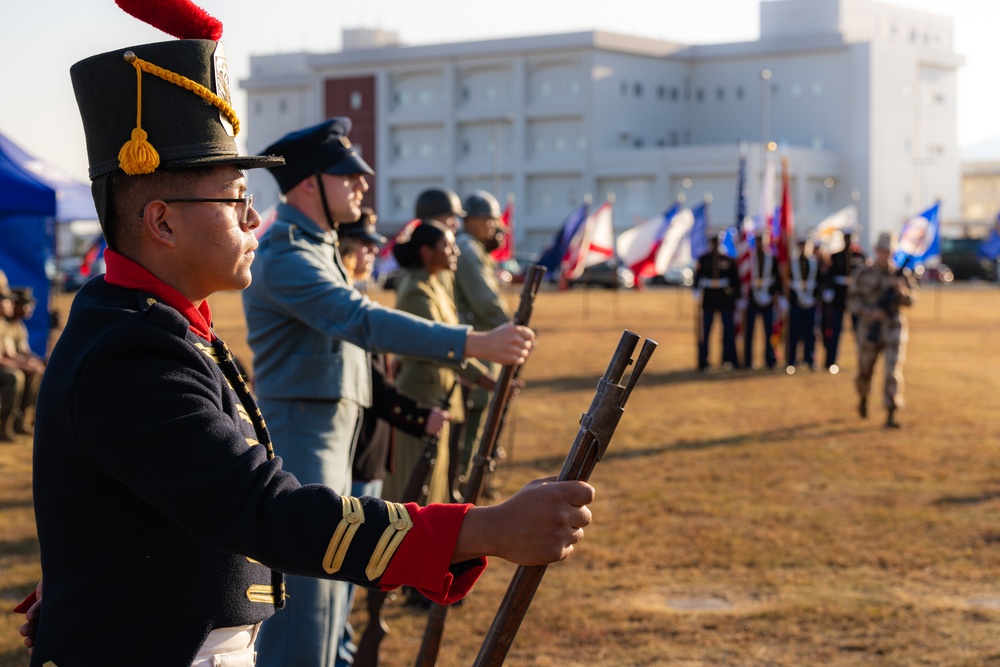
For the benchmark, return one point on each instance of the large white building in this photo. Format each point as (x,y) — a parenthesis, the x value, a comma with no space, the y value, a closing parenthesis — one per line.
(861,98)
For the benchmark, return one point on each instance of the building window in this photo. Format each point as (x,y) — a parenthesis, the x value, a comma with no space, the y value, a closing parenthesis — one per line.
(283,110)
(637,142)
(637,90)
(699,95)
(795,90)
(720,94)
(739,92)
(775,89)
(539,145)
(355,100)
(674,138)
(426,149)
(491,92)
(581,143)
(624,88)
(559,145)
(661,92)
(545,89)
(426,97)
(258,108)
(817,89)
(574,87)
(464,94)
(465,147)
(675,93)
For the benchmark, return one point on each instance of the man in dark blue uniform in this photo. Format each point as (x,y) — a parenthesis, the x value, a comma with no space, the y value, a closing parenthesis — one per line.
(764,289)
(156,487)
(716,279)
(836,281)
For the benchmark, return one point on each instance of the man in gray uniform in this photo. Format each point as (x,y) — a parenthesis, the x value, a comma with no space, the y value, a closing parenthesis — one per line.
(309,331)
(478,298)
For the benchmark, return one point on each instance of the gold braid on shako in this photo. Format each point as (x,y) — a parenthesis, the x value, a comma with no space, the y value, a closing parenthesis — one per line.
(138,156)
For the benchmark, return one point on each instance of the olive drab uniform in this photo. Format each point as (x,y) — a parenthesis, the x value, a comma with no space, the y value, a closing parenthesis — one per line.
(480,304)
(875,288)
(717,279)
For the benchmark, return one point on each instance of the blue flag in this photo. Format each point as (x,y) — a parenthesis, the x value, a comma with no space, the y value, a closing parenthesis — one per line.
(920,238)
(699,230)
(990,247)
(554,252)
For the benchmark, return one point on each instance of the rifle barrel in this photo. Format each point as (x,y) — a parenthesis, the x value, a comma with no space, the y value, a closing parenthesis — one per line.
(597,426)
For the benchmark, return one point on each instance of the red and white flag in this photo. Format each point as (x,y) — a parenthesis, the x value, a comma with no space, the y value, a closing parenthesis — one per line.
(593,243)
(505,250)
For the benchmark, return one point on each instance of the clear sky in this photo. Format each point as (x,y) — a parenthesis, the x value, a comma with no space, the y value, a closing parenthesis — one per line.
(40,39)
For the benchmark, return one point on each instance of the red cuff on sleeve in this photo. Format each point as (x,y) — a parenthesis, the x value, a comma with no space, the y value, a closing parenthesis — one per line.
(423,560)
(25,604)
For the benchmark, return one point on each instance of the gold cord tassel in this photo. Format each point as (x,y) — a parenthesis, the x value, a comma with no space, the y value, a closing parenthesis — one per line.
(138,156)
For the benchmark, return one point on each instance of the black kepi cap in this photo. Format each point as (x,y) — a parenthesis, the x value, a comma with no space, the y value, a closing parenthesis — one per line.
(363,228)
(160,105)
(321,148)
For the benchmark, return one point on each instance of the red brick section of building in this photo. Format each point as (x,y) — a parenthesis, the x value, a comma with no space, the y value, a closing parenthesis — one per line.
(355,97)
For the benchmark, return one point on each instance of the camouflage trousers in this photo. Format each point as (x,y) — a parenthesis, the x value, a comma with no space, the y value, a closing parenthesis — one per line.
(892,346)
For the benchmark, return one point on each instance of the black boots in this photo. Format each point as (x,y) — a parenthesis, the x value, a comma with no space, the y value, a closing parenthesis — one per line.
(863,407)
(890,421)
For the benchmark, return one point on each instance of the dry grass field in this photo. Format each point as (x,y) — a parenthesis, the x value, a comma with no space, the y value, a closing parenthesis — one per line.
(742,518)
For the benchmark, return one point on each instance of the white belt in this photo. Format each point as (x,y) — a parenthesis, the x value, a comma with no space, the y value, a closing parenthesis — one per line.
(713,283)
(228,647)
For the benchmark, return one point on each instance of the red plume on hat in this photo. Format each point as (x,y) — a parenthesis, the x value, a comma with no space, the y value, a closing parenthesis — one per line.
(179,18)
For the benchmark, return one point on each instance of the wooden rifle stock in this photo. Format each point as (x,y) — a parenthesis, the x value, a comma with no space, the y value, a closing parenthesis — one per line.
(433,632)
(597,426)
(416,485)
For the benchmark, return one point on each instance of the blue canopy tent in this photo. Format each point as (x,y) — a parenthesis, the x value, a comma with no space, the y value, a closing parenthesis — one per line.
(34,197)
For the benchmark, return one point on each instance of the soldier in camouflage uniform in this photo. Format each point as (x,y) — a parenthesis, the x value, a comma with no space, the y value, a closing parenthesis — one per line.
(875,296)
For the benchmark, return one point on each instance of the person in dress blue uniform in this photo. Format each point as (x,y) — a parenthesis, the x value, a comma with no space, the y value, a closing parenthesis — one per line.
(156,486)
(805,287)
(310,332)
(765,288)
(716,280)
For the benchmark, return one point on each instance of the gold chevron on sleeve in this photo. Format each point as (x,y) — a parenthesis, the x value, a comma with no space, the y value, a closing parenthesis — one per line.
(353,517)
(261,593)
(399,525)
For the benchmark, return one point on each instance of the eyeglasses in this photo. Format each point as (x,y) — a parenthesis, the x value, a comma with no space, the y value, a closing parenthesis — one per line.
(247,202)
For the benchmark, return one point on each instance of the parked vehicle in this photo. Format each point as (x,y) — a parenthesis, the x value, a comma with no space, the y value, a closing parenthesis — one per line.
(962,256)
(606,274)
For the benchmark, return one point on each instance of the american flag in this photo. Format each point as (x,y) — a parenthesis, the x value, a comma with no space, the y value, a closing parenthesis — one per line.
(743,238)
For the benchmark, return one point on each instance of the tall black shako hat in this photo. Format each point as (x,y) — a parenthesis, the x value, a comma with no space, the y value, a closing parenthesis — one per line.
(322,148)
(161,105)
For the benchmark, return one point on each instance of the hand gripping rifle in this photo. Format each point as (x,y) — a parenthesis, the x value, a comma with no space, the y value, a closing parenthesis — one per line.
(597,426)
(368,646)
(483,460)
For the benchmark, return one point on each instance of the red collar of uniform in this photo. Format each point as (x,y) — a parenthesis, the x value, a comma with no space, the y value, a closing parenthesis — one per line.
(124,272)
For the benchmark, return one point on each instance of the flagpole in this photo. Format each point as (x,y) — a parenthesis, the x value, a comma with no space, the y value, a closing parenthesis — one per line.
(586,288)
(614,259)
(786,231)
